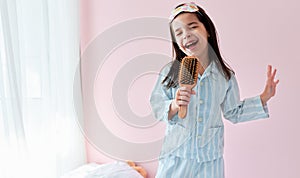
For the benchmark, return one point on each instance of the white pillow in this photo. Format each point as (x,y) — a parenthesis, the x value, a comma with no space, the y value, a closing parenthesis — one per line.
(109,170)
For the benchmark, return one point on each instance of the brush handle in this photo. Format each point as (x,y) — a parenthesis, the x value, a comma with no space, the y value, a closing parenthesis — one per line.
(182,112)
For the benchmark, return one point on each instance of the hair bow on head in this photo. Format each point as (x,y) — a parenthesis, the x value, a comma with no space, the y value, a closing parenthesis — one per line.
(187,7)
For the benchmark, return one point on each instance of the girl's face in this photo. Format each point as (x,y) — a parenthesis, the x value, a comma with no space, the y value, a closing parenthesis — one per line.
(190,34)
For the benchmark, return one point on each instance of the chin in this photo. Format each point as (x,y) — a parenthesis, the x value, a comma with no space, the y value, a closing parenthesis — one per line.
(192,53)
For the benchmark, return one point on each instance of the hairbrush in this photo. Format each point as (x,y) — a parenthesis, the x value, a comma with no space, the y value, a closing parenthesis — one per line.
(188,75)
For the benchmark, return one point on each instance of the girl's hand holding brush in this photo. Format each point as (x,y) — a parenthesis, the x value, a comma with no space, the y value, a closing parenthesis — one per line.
(182,98)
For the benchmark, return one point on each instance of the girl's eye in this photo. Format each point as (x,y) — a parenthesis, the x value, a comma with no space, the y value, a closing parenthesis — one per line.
(193,27)
(178,33)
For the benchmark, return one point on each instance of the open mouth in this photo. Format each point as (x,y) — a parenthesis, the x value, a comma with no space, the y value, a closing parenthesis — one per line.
(191,44)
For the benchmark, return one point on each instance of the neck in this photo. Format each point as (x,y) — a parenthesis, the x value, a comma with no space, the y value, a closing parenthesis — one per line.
(204,62)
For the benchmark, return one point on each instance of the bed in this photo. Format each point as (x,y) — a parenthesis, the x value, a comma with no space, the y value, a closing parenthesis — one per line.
(116,169)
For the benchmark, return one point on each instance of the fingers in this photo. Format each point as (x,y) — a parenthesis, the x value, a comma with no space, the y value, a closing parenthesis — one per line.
(193,92)
(271,84)
(183,96)
(271,74)
(269,71)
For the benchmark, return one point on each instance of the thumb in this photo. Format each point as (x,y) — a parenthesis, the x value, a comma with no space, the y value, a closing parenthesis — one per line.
(193,92)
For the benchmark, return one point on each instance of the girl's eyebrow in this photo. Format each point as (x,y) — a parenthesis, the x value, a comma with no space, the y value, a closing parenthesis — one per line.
(192,23)
(189,24)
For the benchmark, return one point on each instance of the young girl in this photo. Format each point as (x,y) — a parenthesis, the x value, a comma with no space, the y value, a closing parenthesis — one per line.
(193,146)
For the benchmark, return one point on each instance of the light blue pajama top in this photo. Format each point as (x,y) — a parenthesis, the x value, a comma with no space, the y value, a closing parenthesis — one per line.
(201,134)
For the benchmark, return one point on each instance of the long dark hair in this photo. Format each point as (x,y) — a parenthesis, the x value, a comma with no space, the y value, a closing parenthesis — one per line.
(213,50)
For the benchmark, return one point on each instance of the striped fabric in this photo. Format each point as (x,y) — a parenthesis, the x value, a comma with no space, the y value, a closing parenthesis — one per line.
(176,167)
(200,136)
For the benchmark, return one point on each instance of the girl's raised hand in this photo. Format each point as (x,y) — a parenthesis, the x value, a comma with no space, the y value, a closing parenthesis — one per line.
(270,88)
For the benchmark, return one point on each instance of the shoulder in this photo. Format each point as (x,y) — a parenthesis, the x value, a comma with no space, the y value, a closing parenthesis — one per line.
(165,70)
(233,83)
(233,78)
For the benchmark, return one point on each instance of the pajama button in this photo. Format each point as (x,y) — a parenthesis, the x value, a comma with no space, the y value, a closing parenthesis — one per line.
(199,119)
(198,136)
(201,83)
(201,101)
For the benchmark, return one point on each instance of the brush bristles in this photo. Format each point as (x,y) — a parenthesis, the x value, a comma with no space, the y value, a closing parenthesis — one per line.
(188,70)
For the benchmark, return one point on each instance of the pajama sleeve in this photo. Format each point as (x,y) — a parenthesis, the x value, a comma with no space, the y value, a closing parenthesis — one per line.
(161,99)
(237,111)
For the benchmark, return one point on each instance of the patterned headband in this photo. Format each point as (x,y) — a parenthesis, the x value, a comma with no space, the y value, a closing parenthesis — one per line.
(187,7)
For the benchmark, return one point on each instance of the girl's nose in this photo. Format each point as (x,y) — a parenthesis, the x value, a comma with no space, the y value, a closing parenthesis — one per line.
(187,35)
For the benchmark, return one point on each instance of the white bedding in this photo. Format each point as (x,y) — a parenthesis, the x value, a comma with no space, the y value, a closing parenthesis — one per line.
(109,170)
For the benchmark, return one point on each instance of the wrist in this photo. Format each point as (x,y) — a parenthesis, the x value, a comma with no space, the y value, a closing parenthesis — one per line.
(174,106)
(173,109)
(263,99)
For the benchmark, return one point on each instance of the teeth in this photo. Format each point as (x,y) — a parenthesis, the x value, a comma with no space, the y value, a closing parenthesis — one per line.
(190,44)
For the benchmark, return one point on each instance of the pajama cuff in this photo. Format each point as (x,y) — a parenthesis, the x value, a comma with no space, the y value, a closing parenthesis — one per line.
(174,119)
(260,110)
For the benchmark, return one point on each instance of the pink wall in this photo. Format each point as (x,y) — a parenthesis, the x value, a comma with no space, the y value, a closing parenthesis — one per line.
(252,34)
